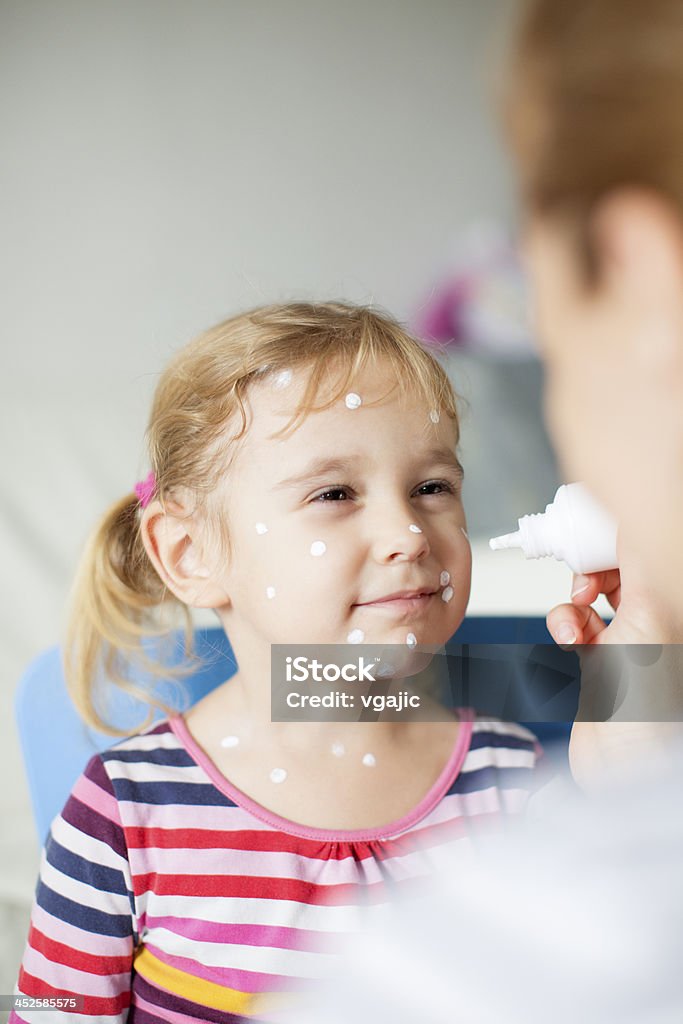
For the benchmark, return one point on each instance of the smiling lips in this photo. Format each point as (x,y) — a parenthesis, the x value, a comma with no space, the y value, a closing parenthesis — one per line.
(402,601)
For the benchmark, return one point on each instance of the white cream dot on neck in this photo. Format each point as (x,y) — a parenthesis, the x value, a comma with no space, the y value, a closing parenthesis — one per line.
(230,741)
(353,401)
(270,593)
(338,749)
(318,547)
(278,775)
(369,760)
(261,528)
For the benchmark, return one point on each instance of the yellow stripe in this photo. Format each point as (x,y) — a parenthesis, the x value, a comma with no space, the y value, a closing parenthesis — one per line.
(207,993)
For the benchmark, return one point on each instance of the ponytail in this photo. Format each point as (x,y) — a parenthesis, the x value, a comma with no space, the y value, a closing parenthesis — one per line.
(114,607)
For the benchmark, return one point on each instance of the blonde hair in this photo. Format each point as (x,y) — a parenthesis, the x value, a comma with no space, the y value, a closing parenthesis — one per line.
(592,101)
(117,593)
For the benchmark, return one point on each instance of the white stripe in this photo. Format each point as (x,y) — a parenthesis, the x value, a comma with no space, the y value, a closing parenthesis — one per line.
(87,846)
(292,963)
(249,910)
(147,771)
(251,863)
(79,938)
(497,725)
(143,741)
(498,757)
(190,816)
(87,896)
(85,984)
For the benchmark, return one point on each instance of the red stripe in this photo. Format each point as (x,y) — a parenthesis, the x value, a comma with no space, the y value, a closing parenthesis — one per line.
(58,953)
(253,887)
(92,1006)
(242,839)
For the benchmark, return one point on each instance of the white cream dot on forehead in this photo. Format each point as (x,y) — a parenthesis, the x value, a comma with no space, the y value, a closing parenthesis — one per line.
(278,775)
(447,594)
(230,741)
(369,760)
(434,416)
(261,528)
(414,528)
(353,401)
(444,578)
(411,639)
(318,547)
(282,380)
(356,636)
(270,593)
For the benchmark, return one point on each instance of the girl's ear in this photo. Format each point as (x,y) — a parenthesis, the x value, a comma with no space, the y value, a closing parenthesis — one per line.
(171,542)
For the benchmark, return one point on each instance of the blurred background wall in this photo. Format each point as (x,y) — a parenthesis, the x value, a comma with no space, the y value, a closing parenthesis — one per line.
(168,163)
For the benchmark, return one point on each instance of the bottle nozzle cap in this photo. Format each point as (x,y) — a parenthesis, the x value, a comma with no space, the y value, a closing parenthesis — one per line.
(508,540)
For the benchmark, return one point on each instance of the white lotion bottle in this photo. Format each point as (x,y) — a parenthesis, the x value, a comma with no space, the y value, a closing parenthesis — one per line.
(574,529)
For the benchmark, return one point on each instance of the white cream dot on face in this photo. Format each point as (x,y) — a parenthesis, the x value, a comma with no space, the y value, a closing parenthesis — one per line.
(434,416)
(338,749)
(282,380)
(270,593)
(356,636)
(464,533)
(318,547)
(369,760)
(411,639)
(352,400)
(444,578)
(278,775)
(230,741)
(414,528)
(447,594)
(261,528)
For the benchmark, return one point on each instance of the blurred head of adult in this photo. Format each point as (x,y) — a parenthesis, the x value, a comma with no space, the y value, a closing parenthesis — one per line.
(594,112)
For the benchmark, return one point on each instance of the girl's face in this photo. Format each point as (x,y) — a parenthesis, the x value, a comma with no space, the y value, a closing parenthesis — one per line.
(355,505)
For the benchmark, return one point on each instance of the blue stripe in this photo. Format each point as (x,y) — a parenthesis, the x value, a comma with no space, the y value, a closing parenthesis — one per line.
(178,758)
(495,739)
(86,918)
(203,794)
(104,878)
(490,776)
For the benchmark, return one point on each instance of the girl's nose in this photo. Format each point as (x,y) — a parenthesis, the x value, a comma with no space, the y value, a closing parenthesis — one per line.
(399,539)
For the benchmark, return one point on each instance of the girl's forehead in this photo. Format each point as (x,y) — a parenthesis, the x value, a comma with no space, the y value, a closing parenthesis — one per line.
(373,394)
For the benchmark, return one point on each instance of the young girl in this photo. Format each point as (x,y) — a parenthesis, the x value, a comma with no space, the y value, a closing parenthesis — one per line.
(305,487)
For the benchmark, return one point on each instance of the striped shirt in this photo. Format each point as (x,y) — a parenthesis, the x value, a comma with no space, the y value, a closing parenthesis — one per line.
(167,895)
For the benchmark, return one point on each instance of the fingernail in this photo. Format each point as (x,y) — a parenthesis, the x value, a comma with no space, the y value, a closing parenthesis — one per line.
(566,634)
(580,584)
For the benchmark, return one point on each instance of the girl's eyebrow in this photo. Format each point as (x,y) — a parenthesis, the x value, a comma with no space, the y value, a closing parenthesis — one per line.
(323,466)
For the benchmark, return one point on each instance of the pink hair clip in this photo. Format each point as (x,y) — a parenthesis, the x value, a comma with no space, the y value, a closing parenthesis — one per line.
(145,489)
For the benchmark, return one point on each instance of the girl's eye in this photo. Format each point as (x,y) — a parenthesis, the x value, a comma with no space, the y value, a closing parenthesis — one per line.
(325,500)
(445,486)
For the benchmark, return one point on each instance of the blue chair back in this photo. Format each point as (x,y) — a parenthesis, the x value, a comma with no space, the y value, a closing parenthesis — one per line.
(56,744)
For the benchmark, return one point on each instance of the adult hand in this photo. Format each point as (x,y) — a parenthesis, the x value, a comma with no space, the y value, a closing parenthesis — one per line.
(631,699)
